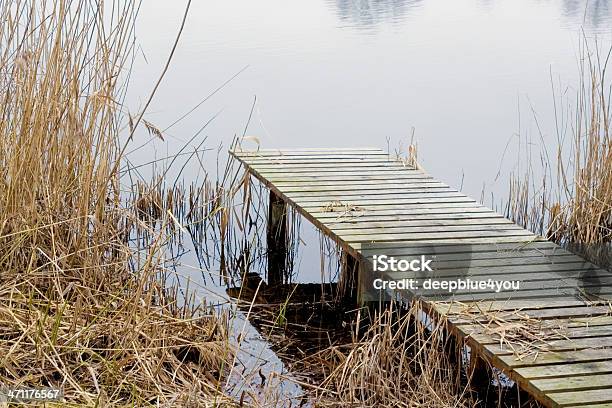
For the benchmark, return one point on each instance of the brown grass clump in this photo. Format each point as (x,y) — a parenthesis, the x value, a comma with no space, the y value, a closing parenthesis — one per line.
(397,363)
(78,310)
(102,347)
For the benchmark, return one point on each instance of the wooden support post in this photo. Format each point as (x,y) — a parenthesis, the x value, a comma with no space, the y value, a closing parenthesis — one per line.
(480,376)
(452,349)
(277,239)
(350,276)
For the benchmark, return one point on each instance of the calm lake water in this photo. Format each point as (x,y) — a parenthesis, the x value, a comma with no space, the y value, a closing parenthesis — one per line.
(469,76)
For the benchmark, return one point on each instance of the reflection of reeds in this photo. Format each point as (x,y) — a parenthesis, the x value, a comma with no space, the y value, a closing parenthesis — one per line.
(72,312)
(573,205)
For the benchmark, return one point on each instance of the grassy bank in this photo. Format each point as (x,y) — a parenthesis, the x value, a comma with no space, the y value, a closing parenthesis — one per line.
(75,311)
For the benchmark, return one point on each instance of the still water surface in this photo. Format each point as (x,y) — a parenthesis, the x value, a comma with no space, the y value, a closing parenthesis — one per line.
(469,76)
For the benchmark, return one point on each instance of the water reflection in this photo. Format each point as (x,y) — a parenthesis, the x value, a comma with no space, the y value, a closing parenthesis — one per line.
(593,14)
(369,13)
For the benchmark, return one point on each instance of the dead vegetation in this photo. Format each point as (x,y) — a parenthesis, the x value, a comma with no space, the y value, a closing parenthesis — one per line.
(84,310)
(527,337)
(398,360)
(118,344)
(344,208)
(571,203)
(80,309)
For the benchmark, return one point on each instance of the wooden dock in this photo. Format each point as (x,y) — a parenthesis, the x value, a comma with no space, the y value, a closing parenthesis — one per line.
(553,337)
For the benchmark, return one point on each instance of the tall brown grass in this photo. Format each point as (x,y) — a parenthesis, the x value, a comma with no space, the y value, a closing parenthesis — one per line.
(572,203)
(399,361)
(73,314)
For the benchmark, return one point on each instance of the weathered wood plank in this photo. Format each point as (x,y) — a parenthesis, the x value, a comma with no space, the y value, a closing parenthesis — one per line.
(558,357)
(328,203)
(569,398)
(387,196)
(452,241)
(388,171)
(481,335)
(588,382)
(564,370)
(456,310)
(417,249)
(525,312)
(317,185)
(420,222)
(320,158)
(413,176)
(561,270)
(428,228)
(489,259)
(472,252)
(362,206)
(391,205)
(417,236)
(571,292)
(335,167)
(569,328)
(324,175)
(399,213)
(310,151)
(566,276)
(379,194)
(348,191)
(324,160)
(433,217)
(555,345)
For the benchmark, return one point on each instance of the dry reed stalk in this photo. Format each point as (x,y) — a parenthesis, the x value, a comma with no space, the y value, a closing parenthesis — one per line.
(514,329)
(573,205)
(525,336)
(396,363)
(73,313)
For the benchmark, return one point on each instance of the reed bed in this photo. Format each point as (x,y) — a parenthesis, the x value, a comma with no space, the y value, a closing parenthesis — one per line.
(80,308)
(128,346)
(223,220)
(572,202)
(394,362)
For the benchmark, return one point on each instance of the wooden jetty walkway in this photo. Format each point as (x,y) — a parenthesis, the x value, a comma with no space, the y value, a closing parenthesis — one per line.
(553,337)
